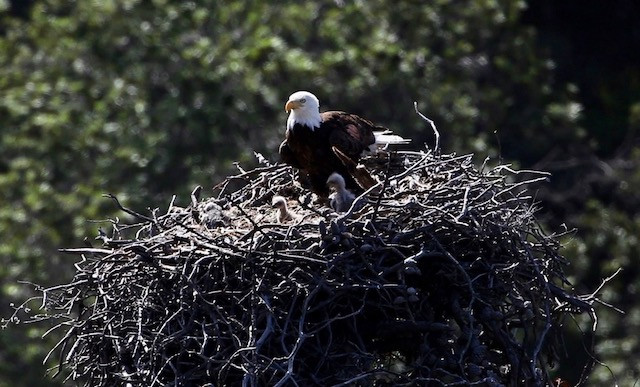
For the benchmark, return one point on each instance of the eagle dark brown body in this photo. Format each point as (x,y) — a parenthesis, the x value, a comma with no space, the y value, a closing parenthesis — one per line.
(310,150)
(313,139)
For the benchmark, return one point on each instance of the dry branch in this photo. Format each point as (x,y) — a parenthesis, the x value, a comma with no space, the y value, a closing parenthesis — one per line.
(444,278)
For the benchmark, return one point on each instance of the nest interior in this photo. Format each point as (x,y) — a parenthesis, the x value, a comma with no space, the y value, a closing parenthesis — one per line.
(438,276)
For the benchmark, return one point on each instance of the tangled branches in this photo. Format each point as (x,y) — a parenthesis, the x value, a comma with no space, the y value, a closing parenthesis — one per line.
(443,277)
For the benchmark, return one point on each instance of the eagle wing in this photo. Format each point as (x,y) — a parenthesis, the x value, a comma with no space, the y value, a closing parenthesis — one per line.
(350,133)
(287,156)
(311,151)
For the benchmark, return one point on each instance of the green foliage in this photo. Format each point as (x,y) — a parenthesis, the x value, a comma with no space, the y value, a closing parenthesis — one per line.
(608,239)
(146,99)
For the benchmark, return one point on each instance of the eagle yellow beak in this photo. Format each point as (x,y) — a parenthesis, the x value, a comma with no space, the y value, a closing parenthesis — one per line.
(291,105)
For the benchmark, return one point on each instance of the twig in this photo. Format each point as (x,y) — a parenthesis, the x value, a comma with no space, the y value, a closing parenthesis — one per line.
(440,279)
(433,127)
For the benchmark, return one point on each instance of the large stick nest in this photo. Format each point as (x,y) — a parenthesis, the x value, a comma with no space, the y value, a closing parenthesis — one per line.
(444,278)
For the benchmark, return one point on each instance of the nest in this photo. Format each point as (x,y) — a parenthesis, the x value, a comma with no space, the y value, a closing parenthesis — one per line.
(439,275)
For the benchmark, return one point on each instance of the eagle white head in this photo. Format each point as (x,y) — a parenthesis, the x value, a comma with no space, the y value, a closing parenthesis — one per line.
(304,109)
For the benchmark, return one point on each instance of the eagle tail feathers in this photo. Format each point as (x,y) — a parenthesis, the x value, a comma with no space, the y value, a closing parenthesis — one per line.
(385,138)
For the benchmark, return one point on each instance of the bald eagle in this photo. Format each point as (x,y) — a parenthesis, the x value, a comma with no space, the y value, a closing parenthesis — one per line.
(310,136)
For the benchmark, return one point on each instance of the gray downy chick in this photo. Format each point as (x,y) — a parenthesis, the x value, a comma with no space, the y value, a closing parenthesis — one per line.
(341,198)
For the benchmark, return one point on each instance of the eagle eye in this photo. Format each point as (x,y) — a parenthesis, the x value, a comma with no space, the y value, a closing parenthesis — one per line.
(303,100)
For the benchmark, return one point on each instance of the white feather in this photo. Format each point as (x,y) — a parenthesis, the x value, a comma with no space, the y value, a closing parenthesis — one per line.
(308,114)
(385,138)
